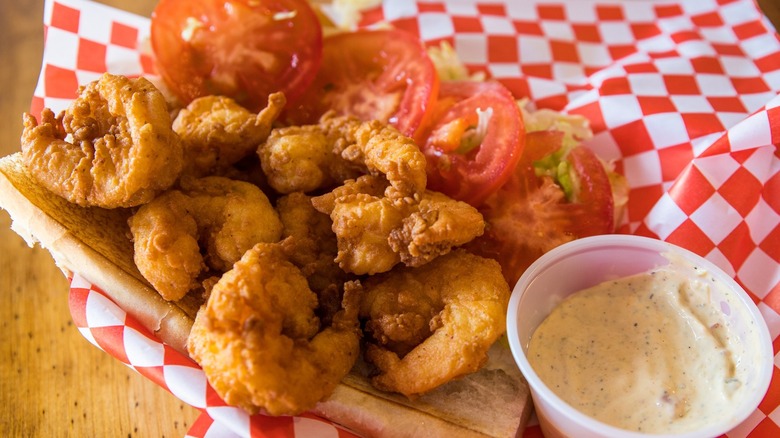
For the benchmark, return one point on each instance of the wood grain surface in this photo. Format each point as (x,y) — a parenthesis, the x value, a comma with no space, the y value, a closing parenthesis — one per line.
(52,381)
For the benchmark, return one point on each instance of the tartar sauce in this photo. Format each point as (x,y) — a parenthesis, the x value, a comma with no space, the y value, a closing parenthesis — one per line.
(650,353)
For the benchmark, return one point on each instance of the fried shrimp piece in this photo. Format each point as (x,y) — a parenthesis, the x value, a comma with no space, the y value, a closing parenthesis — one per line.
(362,224)
(233,216)
(374,234)
(362,219)
(467,296)
(216,132)
(383,150)
(121,152)
(435,226)
(259,341)
(165,242)
(301,159)
(305,158)
(310,244)
(308,229)
(217,216)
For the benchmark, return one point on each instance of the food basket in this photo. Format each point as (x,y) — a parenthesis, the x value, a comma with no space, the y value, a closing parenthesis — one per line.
(682,96)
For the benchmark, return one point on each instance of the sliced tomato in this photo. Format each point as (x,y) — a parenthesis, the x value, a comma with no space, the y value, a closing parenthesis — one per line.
(474,141)
(383,75)
(530,215)
(244,49)
(593,203)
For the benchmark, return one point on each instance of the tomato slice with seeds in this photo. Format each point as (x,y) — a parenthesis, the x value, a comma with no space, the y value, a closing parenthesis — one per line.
(474,141)
(243,49)
(531,215)
(383,75)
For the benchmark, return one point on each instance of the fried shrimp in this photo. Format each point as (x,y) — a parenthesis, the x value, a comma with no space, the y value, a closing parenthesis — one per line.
(435,226)
(362,224)
(374,234)
(259,342)
(216,132)
(310,245)
(384,151)
(463,299)
(217,216)
(112,147)
(362,221)
(233,217)
(166,249)
(301,159)
(305,158)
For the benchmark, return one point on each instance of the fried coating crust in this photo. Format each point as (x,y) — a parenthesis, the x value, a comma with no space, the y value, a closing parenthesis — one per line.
(362,219)
(362,224)
(301,159)
(467,296)
(165,240)
(308,230)
(216,132)
(306,158)
(233,216)
(374,233)
(310,244)
(215,216)
(384,151)
(259,341)
(435,226)
(121,152)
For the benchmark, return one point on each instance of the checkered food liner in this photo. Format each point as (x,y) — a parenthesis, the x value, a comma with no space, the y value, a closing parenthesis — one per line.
(682,96)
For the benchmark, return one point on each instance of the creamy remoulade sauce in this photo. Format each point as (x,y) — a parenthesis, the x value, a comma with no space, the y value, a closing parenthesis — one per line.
(650,352)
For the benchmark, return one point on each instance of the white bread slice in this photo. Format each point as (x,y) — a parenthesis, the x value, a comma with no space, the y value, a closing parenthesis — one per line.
(494,402)
(92,242)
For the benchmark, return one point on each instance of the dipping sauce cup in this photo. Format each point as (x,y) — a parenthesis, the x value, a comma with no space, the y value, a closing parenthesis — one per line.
(589,261)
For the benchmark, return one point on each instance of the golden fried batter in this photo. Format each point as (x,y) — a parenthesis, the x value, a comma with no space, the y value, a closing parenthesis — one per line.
(311,245)
(215,216)
(383,150)
(435,226)
(301,159)
(216,132)
(259,341)
(121,152)
(362,224)
(165,239)
(306,158)
(374,233)
(467,296)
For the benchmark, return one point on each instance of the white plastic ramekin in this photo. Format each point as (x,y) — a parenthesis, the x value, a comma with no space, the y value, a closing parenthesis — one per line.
(587,262)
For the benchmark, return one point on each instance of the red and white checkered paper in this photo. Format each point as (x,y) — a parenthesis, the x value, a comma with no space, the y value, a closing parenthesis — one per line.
(683,96)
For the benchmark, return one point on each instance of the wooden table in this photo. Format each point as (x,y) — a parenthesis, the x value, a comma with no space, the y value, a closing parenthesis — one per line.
(52,381)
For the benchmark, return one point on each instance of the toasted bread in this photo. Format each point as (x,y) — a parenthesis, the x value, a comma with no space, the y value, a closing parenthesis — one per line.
(494,402)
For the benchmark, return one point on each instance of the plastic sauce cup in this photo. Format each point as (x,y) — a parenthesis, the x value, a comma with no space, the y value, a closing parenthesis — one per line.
(589,261)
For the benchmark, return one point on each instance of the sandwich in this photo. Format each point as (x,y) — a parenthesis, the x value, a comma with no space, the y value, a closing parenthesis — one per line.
(171,198)
(94,242)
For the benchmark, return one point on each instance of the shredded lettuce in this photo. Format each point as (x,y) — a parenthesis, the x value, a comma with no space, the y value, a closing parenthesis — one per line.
(575,129)
(343,15)
(449,66)
(475,134)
